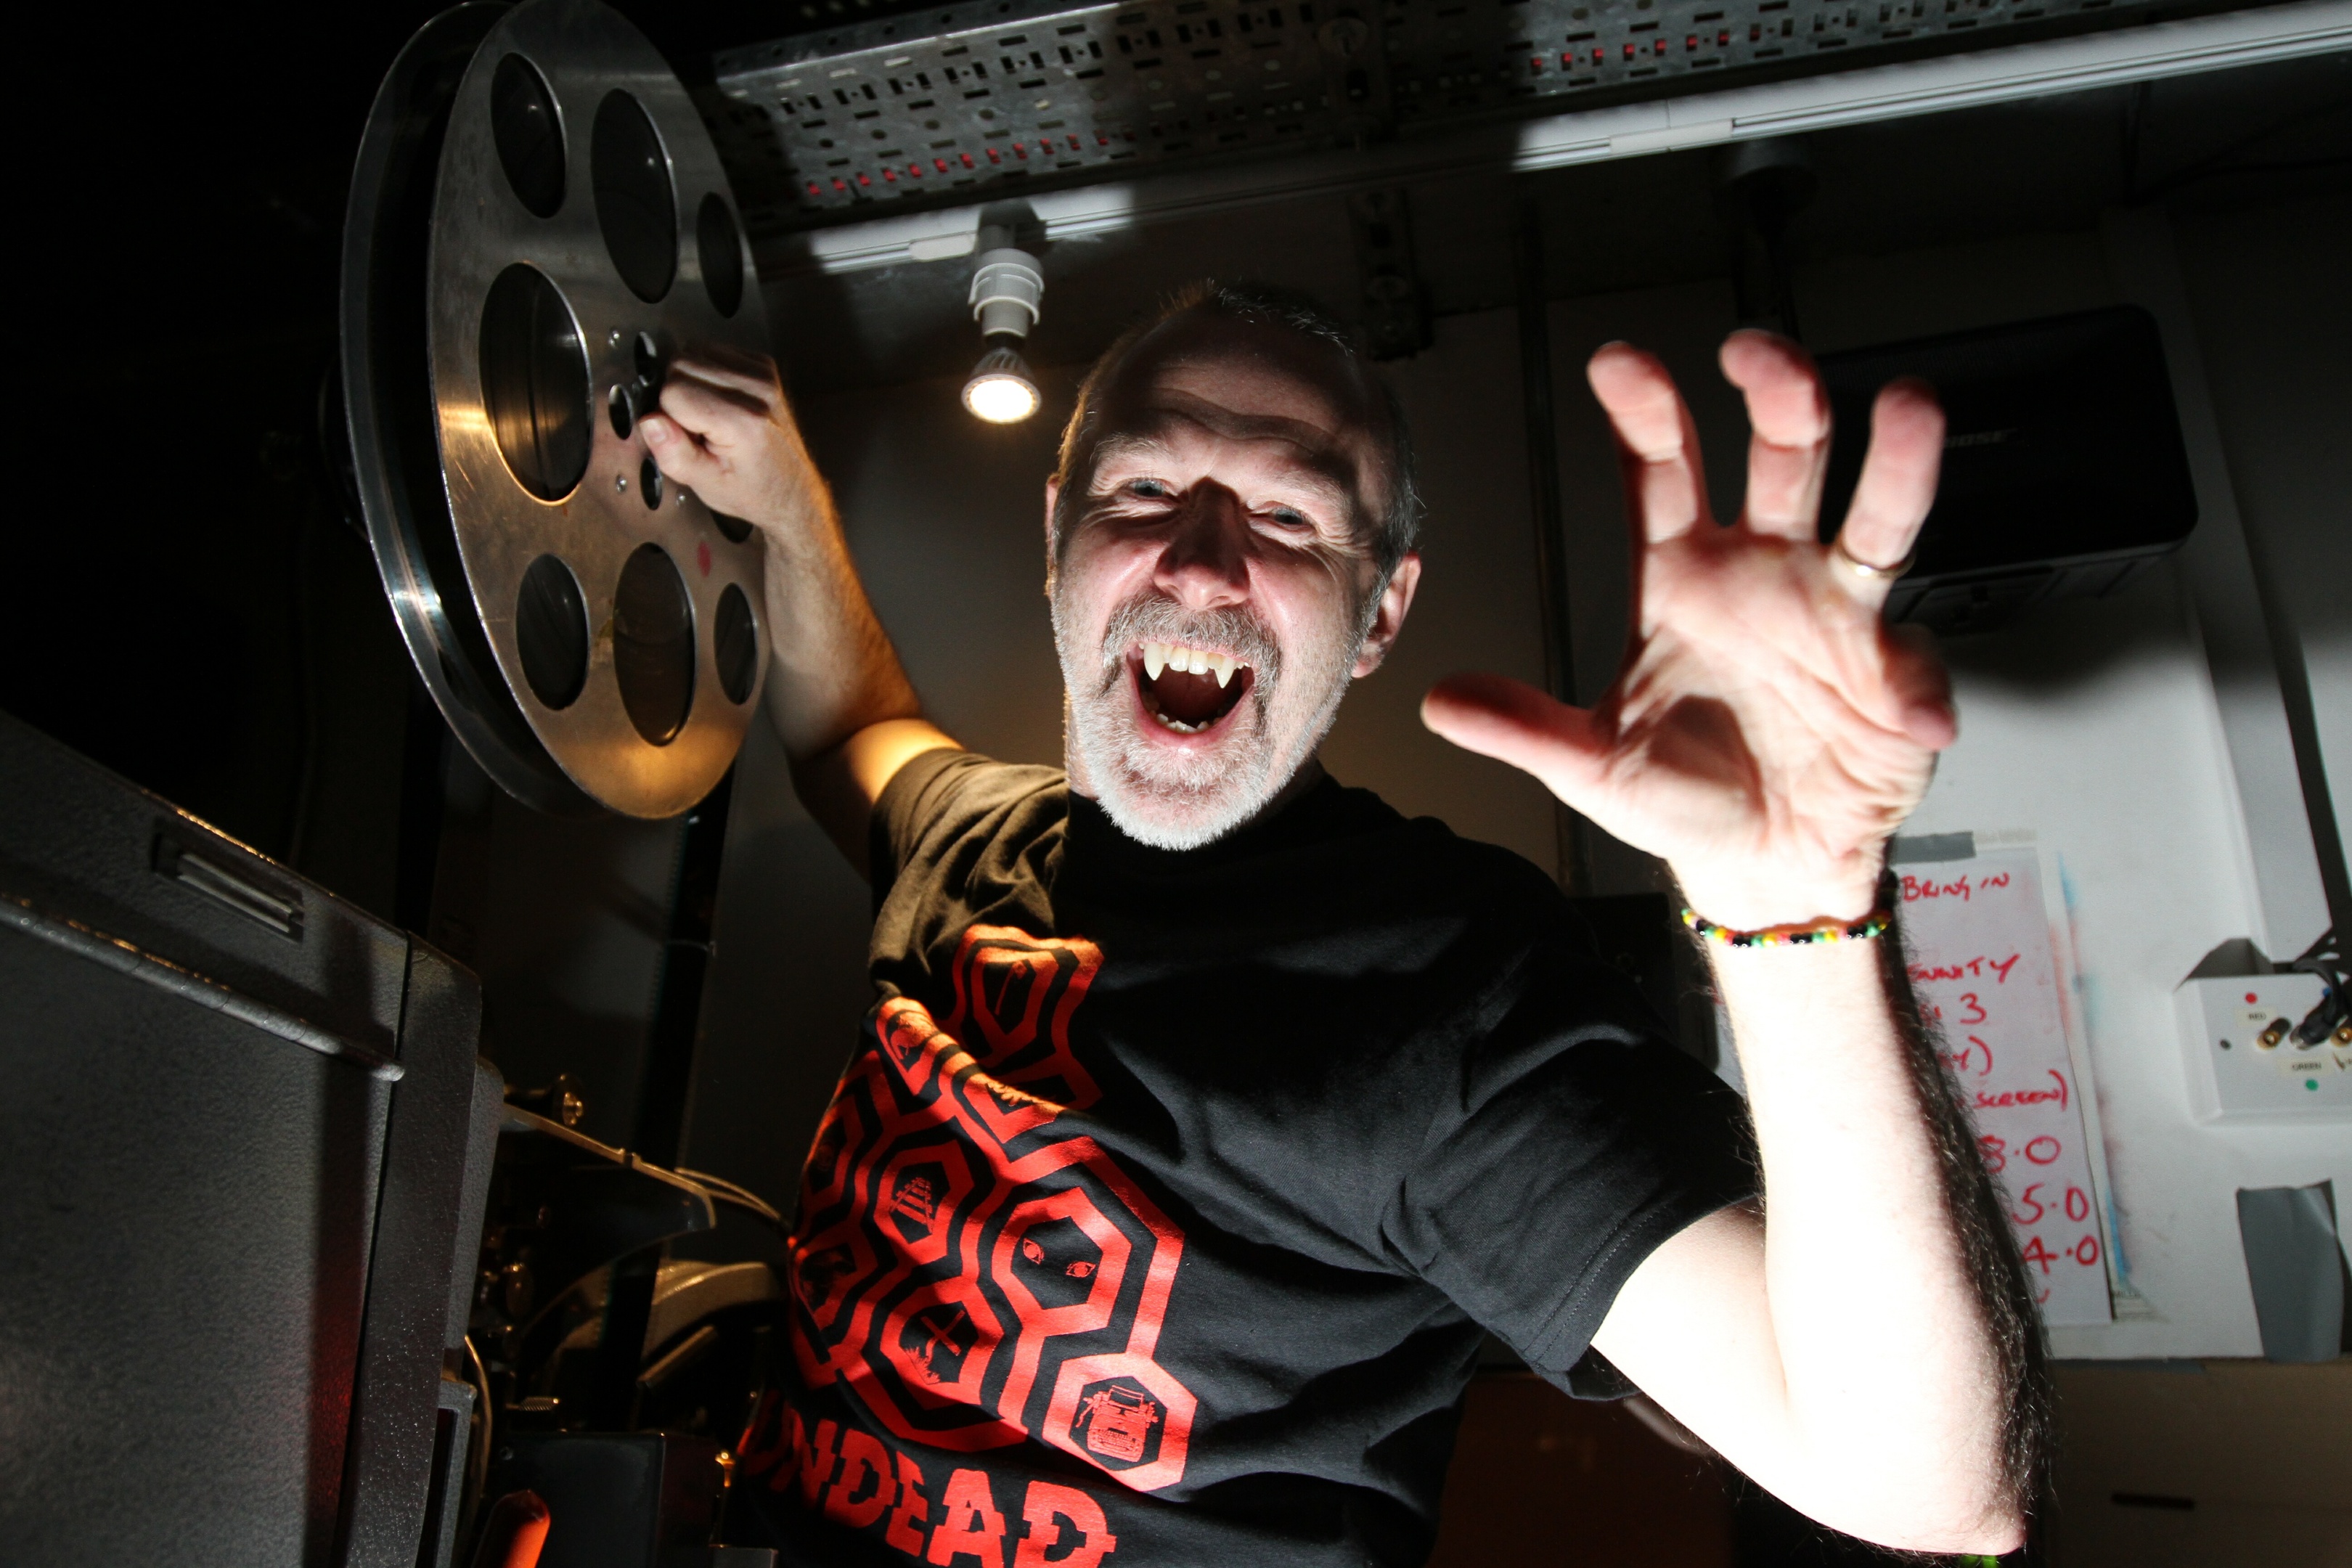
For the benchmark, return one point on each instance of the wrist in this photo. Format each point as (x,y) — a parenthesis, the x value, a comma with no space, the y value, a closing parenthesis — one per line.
(1758,898)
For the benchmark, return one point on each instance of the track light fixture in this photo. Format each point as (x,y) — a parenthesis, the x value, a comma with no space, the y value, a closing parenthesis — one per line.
(1006,290)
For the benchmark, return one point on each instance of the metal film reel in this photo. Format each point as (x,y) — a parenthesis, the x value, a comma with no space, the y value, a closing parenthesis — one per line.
(539,223)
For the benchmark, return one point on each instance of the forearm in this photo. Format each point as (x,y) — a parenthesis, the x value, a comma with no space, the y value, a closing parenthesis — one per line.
(837,695)
(1889,1313)
(832,670)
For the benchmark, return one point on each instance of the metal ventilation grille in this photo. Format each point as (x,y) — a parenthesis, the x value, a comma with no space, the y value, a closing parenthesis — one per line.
(993,97)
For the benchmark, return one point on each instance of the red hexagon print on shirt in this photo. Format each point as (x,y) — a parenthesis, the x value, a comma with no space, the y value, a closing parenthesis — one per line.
(967,1270)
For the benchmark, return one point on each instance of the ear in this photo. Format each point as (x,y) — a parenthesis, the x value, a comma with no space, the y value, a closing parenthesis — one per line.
(1396,601)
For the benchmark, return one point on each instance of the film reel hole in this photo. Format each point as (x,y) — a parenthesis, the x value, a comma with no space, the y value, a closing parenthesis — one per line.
(529,137)
(647,353)
(720,249)
(624,417)
(736,530)
(653,645)
(735,645)
(552,632)
(650,482)
(535,382)
(636,207)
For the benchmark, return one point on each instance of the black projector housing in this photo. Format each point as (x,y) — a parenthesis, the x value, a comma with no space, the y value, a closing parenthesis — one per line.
(2065,474)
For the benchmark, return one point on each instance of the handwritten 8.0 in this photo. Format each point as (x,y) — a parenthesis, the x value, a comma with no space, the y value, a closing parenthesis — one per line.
(2035,1207)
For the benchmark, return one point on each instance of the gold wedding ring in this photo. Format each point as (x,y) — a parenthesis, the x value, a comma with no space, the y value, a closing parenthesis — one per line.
(1864,569)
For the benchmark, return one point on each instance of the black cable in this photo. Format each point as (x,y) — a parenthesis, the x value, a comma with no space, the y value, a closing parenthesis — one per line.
(2216,162)
(2324,958)
(478,1464)
(737,1196)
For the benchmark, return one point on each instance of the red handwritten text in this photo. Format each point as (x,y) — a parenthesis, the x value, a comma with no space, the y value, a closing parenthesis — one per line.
(2020,1097)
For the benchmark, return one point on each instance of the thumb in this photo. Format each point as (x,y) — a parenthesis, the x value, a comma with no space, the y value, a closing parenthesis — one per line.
(1513,722)
(679,455)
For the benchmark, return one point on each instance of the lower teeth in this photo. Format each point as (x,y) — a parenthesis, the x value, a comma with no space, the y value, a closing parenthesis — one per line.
(1179,725)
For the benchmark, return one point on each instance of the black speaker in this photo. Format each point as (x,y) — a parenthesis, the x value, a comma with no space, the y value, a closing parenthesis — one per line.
(2064,475)
(246,1144)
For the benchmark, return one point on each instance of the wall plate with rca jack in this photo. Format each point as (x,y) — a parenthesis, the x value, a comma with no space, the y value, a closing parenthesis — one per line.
(2266,1047)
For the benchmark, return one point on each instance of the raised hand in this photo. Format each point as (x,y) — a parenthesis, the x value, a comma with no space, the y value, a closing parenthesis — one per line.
(1768,732)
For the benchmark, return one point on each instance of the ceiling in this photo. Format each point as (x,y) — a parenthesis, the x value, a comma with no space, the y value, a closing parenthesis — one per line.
(2039,164)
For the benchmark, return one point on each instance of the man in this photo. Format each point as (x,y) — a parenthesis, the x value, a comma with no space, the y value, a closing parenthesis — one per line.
(1210,1111)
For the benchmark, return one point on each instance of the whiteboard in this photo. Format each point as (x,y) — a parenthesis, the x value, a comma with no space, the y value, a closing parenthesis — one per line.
(1982,967)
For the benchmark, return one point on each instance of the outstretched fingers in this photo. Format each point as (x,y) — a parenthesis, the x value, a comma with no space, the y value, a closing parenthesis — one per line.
(1657,445)
(1918,687)
(1788,455)
(1513,722)
(1898,484)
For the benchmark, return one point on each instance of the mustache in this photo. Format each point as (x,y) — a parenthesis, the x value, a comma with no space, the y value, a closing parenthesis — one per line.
(1153,618)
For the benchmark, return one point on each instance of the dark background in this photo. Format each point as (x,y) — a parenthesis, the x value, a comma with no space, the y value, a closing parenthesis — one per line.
(187,598)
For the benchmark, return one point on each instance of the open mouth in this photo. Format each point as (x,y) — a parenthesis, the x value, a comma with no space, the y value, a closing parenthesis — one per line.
(1188,691)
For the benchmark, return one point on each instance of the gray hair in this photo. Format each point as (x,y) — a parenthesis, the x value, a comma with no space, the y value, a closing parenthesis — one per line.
(1392,535)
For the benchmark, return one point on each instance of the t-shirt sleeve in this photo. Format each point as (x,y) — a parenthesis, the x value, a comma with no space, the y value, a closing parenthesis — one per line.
(922,788)
(935,798)
(1575,1143)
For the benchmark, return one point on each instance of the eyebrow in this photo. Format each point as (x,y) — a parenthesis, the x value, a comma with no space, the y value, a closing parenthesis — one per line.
(1320,468)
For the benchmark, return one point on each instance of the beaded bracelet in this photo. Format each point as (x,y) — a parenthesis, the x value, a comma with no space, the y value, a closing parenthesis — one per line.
(1875,923)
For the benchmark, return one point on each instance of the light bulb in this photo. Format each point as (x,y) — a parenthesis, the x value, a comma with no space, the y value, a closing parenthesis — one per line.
(1000,390)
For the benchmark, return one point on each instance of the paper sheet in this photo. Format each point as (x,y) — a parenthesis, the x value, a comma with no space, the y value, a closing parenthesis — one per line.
(1982,968)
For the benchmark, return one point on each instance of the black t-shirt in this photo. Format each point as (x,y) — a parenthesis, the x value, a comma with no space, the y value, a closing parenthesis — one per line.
(1158,1214)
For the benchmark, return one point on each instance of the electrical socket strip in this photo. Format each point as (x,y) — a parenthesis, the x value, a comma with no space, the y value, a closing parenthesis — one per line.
(994,100)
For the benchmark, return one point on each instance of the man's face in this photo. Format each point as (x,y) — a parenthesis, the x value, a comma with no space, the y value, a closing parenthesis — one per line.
(1219,589)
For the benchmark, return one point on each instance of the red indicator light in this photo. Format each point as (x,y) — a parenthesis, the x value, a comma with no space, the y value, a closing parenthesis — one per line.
(2251,997)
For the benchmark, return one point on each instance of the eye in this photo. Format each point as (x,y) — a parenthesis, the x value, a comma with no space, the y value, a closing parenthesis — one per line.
(1288,517)
(1149,490)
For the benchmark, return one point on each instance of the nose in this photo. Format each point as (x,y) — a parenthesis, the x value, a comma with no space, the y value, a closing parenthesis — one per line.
(1205,562)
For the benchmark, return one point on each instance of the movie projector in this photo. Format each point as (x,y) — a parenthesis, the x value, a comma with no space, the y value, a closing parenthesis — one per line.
(537,208)
(539,226)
